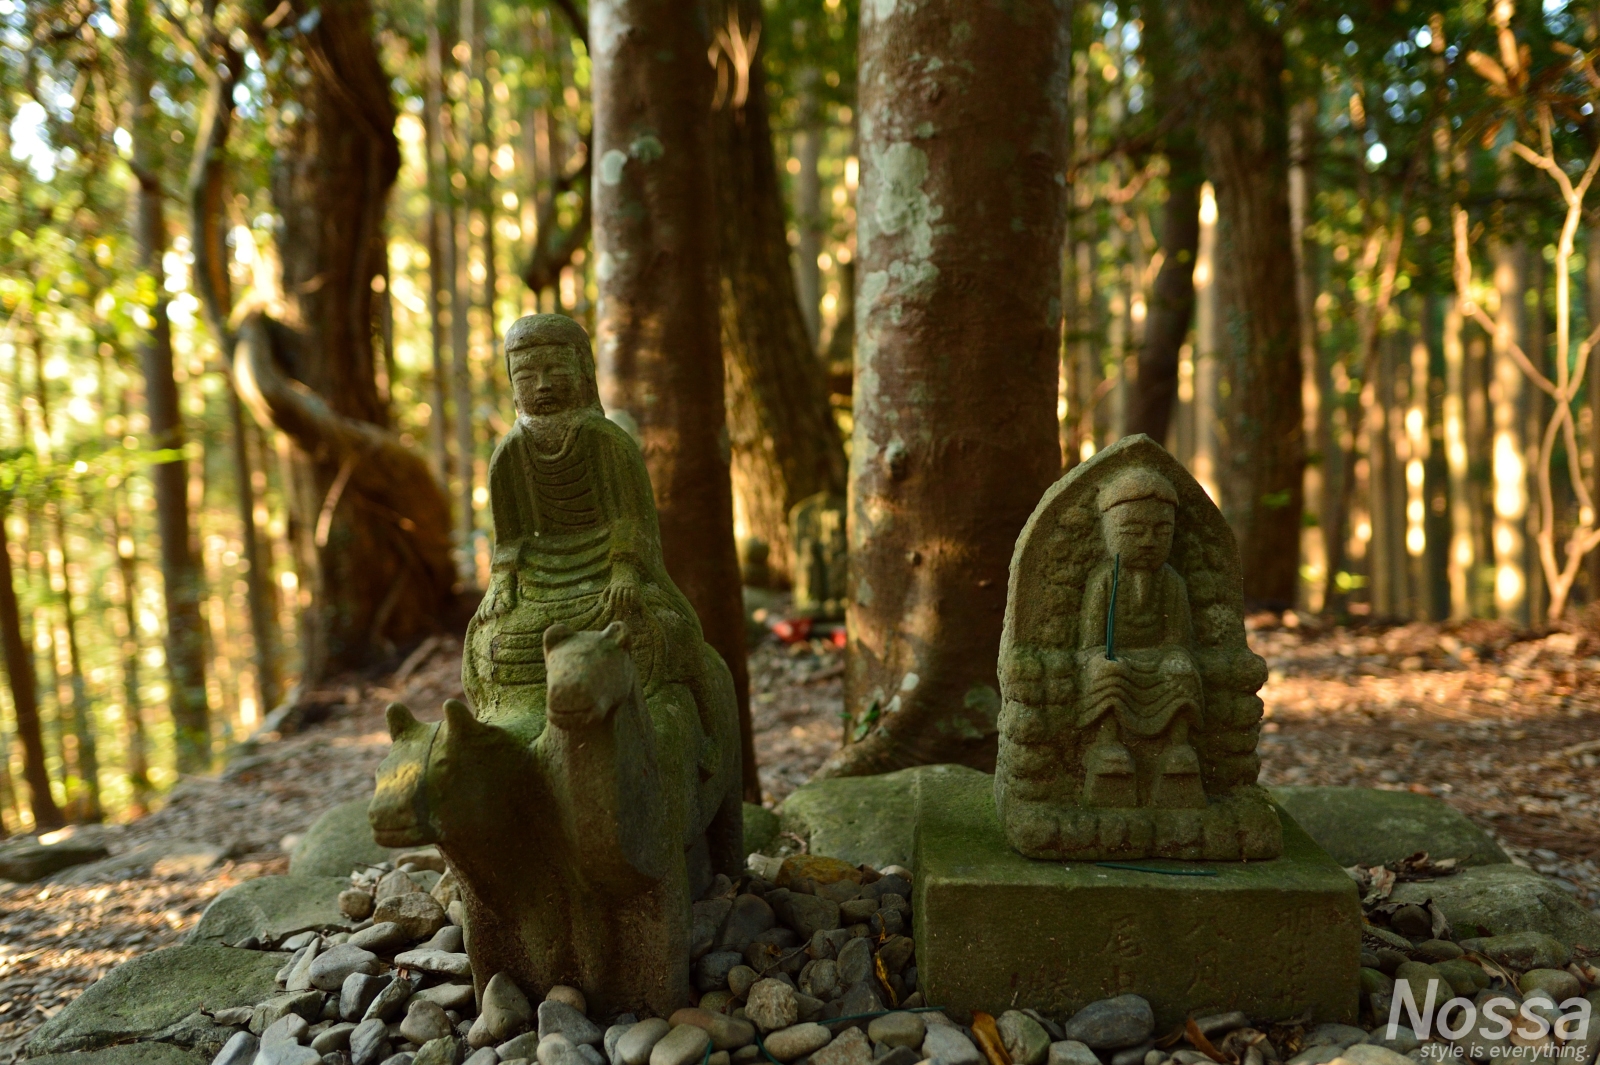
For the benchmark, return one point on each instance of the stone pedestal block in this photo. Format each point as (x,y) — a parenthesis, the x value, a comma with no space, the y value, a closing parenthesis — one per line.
(998,931)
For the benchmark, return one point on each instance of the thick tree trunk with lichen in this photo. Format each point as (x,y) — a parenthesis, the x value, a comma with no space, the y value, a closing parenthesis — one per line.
(785,442)
(658,350)
(1235,61)
(957,319)
(371,524)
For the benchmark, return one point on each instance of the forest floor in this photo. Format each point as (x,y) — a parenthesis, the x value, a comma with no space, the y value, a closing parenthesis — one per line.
(1506,729)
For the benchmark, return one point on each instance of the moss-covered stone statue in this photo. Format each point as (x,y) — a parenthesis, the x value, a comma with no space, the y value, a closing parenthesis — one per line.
(594,788)
(1130,718)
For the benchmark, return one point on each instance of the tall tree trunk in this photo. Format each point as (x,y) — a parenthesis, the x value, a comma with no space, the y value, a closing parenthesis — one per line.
(657,320)
(371,524)
(438,164)
(1172,299)
(137,758)
(86,807)
(786,445)
(1510,475)
(1325,521)
(1242,122)
(958,242)
(24,695)
(807,187)
(180,570)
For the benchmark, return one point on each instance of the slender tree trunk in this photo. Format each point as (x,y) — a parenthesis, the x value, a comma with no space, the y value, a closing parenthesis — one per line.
(786,445)
(1591,280)
(955,434)
(1510,496)
(87,759)
(1463,552)
(1243,126)
(461,314)
(657,320)
(438,162)
(24,696)
(134,739)
(370,522)
(1326,522)
(807,186)
(1172,299)
(180,571)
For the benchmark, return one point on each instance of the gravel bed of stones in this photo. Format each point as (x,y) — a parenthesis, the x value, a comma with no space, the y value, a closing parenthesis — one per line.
(810,961)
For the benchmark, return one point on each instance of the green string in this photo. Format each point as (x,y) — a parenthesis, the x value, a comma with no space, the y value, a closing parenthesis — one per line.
(1149,869)
(1111,610)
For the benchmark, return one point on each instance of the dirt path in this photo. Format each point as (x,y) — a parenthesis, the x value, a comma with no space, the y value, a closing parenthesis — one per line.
(1508,732)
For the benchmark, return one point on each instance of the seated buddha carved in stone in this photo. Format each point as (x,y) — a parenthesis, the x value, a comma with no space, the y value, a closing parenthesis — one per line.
(1129,717)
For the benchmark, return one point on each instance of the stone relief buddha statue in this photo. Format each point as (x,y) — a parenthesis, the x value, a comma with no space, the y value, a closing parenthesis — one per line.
(1130,718)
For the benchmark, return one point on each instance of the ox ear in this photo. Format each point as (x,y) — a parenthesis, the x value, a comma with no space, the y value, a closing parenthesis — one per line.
(556,635)
(618,632)
(400,720)
(458,720)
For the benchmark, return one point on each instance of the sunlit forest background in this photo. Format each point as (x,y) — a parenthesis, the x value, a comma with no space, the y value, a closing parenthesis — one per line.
(1446,273)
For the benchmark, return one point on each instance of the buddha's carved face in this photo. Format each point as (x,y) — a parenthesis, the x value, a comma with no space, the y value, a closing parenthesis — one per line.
(546,379)
(1140,531)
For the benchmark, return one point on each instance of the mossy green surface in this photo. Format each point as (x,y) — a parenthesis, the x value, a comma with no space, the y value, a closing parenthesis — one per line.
(142,997)
(271,908)
(127,1054)
(761,828)
(338,842)
(1371,827)
(998,931)
(863,820)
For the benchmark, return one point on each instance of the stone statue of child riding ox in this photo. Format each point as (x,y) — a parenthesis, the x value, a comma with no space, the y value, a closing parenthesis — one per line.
(594,789)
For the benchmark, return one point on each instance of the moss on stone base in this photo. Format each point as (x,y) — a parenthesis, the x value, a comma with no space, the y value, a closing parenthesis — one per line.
(998,931)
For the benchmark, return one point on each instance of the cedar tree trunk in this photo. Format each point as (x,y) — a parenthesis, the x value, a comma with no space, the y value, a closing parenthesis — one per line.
(659,352)
(25,697)
(180,569)
(957,316)
(371,526)
(1237,64)
(786,444)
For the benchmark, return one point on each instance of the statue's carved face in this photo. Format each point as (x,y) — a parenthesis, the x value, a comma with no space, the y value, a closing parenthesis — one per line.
(1140,531)
(546,379)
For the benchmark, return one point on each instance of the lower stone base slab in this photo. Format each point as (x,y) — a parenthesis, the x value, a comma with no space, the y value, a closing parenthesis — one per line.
(998,931)
(1242,825)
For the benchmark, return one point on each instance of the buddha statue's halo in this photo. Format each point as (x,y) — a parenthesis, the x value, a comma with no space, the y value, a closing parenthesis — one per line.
(1133,485)
(539,330)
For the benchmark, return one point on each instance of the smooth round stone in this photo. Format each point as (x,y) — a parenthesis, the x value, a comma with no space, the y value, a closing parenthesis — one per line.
(559,1018)
(396,883)
(747,918)
(855,962)
(1024,1038)
(240,1049)
(448,939)
(771,1005)
(456,997)
(1112,1023)
(1316,1055)
(1466,977)
(369,1042)
(741,978)
(444,1050)
(525,1047)
(357,993)
(897,1030)
(287,1054)
(355,904)
(711,971)
(505,1012)
(1418,975)
(1561,984)
(636,1043)
(788,1044)
(1374,982)
(483,1056)
(333,1038)
(334,965)
(381,938)
(950,1046)
(727,1033)
(1438,950)
(290,1028)
(819,979)
(684,1045)
(435,962)
(417,913)
(557,1049)
(392,999)
(1071,1052)
(570,995)
(1403,1042)
(425,1021)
